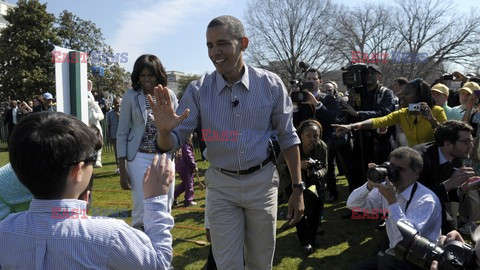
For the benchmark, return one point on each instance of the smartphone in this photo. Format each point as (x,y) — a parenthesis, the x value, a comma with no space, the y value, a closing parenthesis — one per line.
(448,77)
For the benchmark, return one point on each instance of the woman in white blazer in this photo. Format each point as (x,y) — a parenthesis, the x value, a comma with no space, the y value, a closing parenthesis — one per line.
(136,130)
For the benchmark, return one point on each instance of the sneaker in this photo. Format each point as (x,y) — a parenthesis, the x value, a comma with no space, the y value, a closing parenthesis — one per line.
(117,171)
(190,203)
(468,228)
(308,249)
(97,164)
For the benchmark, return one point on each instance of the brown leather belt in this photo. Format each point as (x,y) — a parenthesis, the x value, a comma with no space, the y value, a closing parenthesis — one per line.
(249,170)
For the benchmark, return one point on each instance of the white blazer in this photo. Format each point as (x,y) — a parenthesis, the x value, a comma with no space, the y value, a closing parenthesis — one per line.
(133,119)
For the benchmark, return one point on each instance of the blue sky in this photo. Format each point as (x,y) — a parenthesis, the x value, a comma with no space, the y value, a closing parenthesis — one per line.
(174,30)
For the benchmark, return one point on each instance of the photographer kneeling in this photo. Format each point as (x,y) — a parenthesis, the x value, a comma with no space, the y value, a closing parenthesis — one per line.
(313,155)
(393,186)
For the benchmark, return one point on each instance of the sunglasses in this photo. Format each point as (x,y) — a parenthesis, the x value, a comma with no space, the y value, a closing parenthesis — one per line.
(89,160)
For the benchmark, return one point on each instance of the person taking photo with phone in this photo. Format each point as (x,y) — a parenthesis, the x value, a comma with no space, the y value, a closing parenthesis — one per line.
(418,115)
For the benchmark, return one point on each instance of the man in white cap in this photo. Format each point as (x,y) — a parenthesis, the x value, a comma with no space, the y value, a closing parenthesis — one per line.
(46,104)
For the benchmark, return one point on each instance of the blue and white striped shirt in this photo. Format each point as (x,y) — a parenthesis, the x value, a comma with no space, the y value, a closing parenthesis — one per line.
(56,234)
(237,120)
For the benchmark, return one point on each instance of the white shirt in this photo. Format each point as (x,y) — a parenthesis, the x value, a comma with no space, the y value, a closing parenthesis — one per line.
(57,234)
(424,212)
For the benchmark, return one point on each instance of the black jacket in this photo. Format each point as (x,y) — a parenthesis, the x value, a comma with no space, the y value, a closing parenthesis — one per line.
(433,174)
(326,115)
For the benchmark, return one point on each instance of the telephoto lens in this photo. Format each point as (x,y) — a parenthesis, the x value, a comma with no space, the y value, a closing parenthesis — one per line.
(421,251)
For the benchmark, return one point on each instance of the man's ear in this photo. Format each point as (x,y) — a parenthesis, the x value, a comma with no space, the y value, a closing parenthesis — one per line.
(76,173)
(244,43)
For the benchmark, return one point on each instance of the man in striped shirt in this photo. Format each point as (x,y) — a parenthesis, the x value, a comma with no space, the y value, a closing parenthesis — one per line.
(53,155)
(238,108)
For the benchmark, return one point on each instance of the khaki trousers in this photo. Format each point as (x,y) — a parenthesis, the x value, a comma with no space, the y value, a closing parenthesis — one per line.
(242,212)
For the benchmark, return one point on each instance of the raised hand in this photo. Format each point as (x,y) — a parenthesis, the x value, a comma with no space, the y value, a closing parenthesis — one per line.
(311,100)
(165,117)
(158,177)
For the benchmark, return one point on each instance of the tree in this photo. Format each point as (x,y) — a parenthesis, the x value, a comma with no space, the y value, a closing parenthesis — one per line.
(285,32)
(365,29)
(437,28)
(84,36)
(183,83)
(78,34)
(419,37)
(26,67)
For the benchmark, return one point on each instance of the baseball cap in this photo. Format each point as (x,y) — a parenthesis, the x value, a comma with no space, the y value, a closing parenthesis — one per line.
(469,87)
(47,96)
(441,88)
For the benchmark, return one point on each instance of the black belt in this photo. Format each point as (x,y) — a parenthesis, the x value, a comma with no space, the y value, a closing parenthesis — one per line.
(249,170)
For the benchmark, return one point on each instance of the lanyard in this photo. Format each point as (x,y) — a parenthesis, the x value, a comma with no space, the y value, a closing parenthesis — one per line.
(411,196)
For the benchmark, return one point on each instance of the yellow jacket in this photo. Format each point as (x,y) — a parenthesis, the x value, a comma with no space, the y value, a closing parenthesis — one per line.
(417,132)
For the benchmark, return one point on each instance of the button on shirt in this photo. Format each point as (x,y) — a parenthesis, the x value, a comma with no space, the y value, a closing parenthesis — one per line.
(56,234)
(237,120)
(424,212)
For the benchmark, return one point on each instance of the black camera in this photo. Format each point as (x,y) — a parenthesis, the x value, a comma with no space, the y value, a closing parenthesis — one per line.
(377,174)
(447,77)
(315,165)
(355,75)
(421,251)
(300,96)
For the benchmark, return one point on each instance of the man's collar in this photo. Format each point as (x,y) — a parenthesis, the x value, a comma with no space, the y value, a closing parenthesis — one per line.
(223,84)
(441,157)
(47,206)
(406,192)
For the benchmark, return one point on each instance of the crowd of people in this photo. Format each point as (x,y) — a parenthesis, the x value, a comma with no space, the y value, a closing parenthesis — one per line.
(415,153)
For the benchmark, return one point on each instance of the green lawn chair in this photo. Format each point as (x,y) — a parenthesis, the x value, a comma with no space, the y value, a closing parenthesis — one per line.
(14,196)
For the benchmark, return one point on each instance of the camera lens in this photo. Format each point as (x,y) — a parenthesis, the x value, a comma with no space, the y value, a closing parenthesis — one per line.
(377,174)
(422,252)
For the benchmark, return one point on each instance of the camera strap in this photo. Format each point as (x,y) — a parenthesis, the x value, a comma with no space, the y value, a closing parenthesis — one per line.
(414,188)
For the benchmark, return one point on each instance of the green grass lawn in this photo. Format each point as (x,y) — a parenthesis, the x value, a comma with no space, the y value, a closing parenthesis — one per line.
(344,242)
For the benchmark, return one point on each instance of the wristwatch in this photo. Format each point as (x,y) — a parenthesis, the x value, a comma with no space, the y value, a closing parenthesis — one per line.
(300,186)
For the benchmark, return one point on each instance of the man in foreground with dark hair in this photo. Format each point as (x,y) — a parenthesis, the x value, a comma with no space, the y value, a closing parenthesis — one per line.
(53,156)
(443,171)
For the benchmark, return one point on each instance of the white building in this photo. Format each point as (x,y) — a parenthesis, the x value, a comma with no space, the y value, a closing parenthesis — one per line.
(4,7)
(172,78)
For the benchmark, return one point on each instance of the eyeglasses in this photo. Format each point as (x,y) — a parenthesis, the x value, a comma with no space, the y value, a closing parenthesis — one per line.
(89,160)
(466,141)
